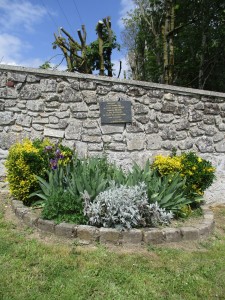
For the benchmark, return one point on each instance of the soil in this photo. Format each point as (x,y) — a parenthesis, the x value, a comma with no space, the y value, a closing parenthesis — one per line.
(48,238)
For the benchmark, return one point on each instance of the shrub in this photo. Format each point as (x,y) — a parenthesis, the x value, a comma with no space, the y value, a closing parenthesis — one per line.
(23,162)
(26,160)
(125,207)
(199,173)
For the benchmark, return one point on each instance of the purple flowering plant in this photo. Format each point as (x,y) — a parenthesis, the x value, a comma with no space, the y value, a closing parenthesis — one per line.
(58,155)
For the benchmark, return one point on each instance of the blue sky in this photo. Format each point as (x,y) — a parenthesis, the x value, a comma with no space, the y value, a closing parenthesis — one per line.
(27,26)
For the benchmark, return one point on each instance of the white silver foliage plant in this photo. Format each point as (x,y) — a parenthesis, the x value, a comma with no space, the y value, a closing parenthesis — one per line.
(124,207)
(153,215)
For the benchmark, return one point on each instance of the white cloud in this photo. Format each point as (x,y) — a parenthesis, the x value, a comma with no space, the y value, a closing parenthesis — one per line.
(16,13)
(11,47)
(17,18)
(12,52)
(126,6)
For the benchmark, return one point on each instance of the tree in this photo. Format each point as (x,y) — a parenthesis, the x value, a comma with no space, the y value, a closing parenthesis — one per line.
(84,58)
(174,42)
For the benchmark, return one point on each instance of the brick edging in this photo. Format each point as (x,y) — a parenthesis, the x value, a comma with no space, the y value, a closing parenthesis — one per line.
(90,234)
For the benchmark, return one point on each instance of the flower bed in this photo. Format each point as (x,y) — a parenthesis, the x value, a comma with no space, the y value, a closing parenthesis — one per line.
(91,191)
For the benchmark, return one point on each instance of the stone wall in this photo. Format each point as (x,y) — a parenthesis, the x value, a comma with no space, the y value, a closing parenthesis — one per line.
(37,103)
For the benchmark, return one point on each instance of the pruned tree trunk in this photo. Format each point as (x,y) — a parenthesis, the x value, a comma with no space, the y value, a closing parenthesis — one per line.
(168,42)
(99,29)
(107,22)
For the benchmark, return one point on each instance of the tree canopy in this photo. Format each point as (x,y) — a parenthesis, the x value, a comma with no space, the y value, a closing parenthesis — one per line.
(86,58)
(177,42)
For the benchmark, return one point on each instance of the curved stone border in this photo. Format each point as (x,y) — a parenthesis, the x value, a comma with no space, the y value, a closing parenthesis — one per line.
(90,234)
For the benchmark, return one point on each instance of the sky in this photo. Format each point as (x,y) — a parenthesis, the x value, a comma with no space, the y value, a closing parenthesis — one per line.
(27,27)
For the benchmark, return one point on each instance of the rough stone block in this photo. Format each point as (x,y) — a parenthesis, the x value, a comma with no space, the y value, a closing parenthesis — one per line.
(66,230)
(94,114)
(169,97)
(2,106)
(133,236)
(91,139)
(172,234)
(119,88)
(165,118)
(48,85)
(87,85)
(109,129)
(46,225)
(35,105)
(30,219)
(154,142)
(110,235)
(70,95)
(185,145)
(54,132)
(205,144)
(90,124)
(203,230)
(20,211)
(195,116)
(40,120)
(79,107)
(30,92)
(220,147)
(135,142)
(153,236)
(6,118)
(80,115)
(211,109)
(23,120)
(134,128)
(16,204)
(87,233)
(73,131)
(189,233)
(208,215)
(116,146)
(18,77)
(141,109)
(95,147)
(210,224)
(168,107)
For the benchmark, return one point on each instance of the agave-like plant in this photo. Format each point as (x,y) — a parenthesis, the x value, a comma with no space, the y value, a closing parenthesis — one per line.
(168,192)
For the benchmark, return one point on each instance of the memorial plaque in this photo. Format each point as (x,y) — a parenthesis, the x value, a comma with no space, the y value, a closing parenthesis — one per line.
(115,112)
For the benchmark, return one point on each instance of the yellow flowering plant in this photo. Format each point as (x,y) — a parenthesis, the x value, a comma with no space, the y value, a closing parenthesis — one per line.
(27,159)
(199,173)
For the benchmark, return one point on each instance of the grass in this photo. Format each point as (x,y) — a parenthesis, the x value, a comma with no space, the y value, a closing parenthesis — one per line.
(31,269)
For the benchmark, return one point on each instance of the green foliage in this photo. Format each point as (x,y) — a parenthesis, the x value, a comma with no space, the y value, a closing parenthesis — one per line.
(59,204)
(23,163)
(33,269)
(67,185)
(85,58)
(197,40)
(199,173)
(174,183)
(46,66)
(169,192)
(28,159)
